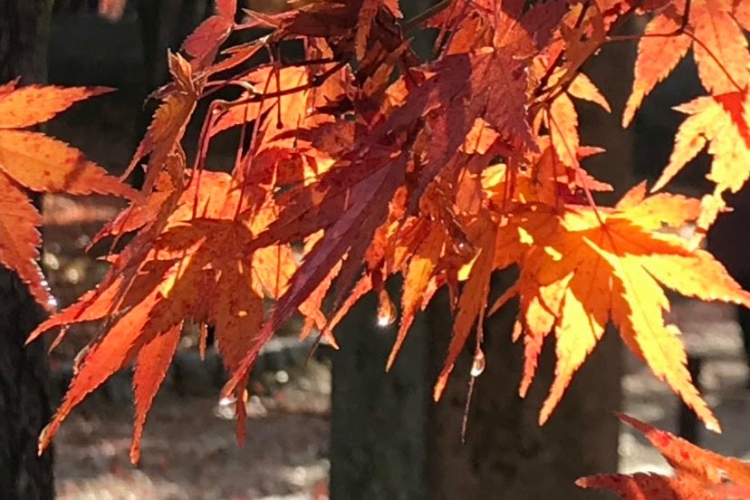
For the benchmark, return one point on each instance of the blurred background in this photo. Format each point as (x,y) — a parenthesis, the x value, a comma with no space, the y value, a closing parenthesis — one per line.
(188,447)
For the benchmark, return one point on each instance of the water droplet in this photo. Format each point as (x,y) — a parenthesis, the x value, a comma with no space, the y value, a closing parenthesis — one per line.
(386,310)
(477,366)
(52,302)
(227,401)
(462,246)
(226,408)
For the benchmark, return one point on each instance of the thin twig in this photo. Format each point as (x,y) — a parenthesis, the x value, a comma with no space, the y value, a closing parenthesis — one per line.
(415,21)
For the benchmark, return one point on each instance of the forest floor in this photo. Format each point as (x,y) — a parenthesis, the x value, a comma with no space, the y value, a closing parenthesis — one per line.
(189,452)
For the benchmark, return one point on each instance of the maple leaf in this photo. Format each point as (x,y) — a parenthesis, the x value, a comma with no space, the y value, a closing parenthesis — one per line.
(150,370)
(417,278)
(203,43)
(198,267)
(563,125)
(473,300)
(719,48)
(721,123)
(22,107)
(31,160)
(170,120)
(641,486)
(581,87)
(364,209)
(20,239)
(699,474)
(659,51)
(596,265)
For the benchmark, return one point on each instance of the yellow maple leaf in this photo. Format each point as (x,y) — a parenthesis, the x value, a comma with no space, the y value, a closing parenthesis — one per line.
(612,264)
(719,46)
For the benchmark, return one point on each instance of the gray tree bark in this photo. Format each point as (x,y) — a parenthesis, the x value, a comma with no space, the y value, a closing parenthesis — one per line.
(24,373)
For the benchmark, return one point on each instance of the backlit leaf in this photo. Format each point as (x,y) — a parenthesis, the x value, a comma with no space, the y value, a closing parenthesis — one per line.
(34,161)
(699,474)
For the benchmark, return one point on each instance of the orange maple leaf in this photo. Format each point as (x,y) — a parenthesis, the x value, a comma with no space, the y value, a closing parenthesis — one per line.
(699,474)
(199,268)
(473,300)
(719,48)
(34,161)
(170,120)
(561,117)
(417,279)
(203,43)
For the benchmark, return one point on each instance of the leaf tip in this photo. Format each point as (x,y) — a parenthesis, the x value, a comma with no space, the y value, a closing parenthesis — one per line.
(135,451)
(437,392)
(45,437)
(713,425)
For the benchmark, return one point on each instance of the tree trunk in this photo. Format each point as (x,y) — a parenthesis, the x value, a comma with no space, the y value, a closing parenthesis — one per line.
(379,419)
(24,397)
(24,373)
